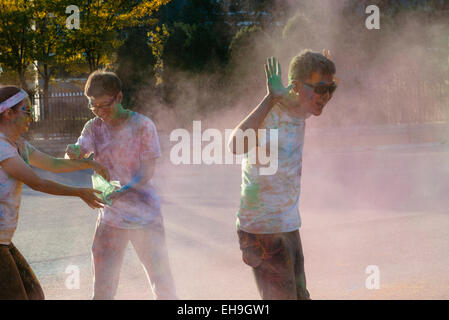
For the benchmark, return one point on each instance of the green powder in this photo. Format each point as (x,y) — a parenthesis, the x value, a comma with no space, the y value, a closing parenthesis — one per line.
(106,187)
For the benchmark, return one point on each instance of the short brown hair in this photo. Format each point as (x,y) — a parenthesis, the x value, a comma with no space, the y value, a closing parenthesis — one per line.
(306,62)
(101,83)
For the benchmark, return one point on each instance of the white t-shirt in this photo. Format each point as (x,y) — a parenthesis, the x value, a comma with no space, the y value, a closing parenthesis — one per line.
(270,203)
(10,192)
(122,151)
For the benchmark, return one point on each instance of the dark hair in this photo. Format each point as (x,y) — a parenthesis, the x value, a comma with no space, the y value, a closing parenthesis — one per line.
(101,83)
(7,92)
(306,62)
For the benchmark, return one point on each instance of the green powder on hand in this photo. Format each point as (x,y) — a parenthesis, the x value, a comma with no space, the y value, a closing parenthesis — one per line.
(106,187)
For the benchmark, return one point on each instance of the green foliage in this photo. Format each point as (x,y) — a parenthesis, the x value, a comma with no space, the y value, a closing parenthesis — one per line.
(192,12)
(191,47)
(243,41)
(297,26)
(250,47)
(197,40)
(16,37)
(97,39)
(135,65)
(248,51)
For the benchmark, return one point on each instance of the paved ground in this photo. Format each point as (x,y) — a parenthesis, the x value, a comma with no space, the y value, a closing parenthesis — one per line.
(384,207)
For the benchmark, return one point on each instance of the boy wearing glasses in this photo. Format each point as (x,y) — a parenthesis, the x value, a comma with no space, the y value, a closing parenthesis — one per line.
(127,144)
(268,219)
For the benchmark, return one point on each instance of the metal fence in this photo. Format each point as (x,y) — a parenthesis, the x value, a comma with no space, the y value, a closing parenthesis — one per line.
(390,103)
(63,116)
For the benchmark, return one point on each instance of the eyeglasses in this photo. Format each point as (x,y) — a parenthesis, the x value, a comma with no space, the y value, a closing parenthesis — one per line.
(322,88)
(27,110)
(93,107)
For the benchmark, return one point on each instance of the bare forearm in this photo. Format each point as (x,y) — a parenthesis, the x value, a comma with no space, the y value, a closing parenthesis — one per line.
(256,117)
(54,188)
(59,165)
(47,162)
(251,122)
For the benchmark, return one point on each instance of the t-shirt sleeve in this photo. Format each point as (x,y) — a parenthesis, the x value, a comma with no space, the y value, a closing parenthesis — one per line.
(85,140)
(7,150)
(150,147)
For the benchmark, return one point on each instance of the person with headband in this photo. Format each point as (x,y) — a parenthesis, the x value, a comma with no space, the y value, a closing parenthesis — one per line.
(268,219)
(17,280)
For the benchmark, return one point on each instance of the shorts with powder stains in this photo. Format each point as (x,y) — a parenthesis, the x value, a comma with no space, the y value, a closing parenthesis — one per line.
(278,264)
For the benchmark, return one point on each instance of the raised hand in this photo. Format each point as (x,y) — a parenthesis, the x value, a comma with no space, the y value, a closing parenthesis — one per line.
(273,74)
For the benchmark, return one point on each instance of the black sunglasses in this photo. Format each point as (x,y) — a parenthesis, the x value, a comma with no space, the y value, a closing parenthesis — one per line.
(322,88)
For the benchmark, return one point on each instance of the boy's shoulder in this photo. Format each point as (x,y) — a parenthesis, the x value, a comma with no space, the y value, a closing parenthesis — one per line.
(141,120)
(279,116)
(273,118)
(92,122)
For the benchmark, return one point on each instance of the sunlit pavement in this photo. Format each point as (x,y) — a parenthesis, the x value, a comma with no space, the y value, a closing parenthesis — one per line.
(387,208)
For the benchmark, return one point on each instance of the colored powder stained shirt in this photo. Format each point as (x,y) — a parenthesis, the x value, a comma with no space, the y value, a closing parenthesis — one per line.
(122,150)
(270,203)
(10,189)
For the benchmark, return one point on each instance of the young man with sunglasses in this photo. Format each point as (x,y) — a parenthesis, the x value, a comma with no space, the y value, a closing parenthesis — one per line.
(268,219)
(127,144)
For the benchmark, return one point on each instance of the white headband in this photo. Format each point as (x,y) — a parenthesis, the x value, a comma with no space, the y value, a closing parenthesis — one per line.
(11,102)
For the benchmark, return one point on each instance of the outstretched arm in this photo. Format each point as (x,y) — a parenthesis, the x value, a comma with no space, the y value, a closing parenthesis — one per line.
(46,162)
(17,168)
(275,92)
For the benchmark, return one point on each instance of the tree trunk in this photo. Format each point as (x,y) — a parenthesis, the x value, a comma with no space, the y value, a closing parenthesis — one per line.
(23,83)
(45,92)
(46,100)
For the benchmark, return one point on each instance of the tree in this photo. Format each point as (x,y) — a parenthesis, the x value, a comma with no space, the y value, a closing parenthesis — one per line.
(16,37)
(135,64)
(191,47)
(97,39)
(49,30)
(197,40)
(248,51)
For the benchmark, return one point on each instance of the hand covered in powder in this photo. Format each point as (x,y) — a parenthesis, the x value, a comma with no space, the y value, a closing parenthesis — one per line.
(273,74)
(89,196)
(73,151)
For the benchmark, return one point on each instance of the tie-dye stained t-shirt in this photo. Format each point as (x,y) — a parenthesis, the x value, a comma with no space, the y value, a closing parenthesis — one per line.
(121,151)
(270,203)
(10,188)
